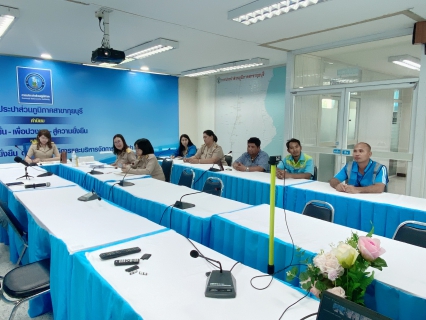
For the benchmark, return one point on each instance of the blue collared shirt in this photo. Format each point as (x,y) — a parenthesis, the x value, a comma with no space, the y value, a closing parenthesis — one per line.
(363,180)
(304,165)
(261,160)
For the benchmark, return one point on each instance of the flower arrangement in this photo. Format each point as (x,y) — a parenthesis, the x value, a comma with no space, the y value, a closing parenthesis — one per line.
(342,271)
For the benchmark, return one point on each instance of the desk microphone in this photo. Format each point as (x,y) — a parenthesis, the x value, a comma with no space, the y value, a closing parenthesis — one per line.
(37,185)
(185,205)
(23,153)
(90,196)
(123,183)
(96,172)
(220,284)
(19,160)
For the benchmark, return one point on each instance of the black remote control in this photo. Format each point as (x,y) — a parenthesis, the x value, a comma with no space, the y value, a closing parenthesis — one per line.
(119,253)
(14,183)
(132,269)
(126,262)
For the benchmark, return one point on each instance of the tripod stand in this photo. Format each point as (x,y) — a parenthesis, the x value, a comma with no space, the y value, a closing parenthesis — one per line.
(26,175)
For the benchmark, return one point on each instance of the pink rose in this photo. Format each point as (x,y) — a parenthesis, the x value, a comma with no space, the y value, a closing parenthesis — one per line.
(338,291)
(370,248)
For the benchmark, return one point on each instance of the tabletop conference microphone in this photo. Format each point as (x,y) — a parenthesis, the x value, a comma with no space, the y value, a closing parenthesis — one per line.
(220,284)
(96,172)
(185,205)
(219,163)
(37,185)
(123,183)
(26,164)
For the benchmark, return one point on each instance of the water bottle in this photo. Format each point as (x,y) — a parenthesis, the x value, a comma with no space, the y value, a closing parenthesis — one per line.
(73,159)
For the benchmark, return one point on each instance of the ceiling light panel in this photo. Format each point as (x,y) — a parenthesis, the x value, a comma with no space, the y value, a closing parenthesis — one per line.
(406,61)
(230,66)
(150,48)
(7,16)
(266,9)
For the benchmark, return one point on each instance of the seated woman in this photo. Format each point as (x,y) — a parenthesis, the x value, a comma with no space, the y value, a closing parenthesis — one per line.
(210,151)
(186,148)
(43,149)
(146,162)
(124,154)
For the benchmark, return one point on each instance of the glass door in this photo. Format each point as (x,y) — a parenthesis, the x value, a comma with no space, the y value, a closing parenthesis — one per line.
(330,122)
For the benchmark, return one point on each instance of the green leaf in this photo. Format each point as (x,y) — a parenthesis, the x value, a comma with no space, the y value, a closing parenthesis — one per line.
(371,231)
(379,263)
(304,276)
(320,286)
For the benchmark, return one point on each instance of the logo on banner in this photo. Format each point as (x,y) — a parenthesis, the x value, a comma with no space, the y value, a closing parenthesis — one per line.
(35,82)
(34,85)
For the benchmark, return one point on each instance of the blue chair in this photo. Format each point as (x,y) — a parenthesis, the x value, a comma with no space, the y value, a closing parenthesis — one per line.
(187,178)
(213,186)
(411,232)
(320,210)
(167,165)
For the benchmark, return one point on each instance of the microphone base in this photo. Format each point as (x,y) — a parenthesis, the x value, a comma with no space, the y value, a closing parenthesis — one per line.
(46,174)
(221,285)
(89,197)
(123,183)
(214,169)
(95,172)
(183,205)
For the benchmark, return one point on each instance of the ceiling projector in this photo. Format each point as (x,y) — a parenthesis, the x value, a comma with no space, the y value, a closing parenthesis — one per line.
(108,55)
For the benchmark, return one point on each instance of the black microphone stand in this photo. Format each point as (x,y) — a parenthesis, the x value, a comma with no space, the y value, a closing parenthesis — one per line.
(26,175)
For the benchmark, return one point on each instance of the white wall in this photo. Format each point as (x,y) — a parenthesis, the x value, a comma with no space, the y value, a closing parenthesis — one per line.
(188,111)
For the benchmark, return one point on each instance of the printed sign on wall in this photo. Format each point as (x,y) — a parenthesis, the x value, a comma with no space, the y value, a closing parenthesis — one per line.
(34,85)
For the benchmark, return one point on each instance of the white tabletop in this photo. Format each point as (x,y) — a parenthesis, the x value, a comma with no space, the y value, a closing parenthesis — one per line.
(405,262)
(166,193)
(253,176)
(153,297)
(82,225)
(384,197)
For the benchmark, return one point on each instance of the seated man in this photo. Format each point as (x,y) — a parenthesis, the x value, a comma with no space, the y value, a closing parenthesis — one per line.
(254,159)
(363,175)
(296,165)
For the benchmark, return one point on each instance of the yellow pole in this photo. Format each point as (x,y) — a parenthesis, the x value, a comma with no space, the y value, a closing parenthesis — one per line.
(271,266)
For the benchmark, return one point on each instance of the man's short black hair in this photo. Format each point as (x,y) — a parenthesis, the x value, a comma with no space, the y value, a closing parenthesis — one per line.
(254,140)
(292,140)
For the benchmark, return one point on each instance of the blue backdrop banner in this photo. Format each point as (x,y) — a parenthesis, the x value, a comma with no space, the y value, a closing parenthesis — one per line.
(91,105)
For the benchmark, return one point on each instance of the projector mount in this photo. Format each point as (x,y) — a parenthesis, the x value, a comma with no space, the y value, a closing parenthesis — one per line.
(103,14)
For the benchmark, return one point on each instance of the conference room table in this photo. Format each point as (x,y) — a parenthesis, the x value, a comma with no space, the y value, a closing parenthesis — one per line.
(173,286)
(397,292)
(247,187)
(154,199)
(64,226)
(385,210)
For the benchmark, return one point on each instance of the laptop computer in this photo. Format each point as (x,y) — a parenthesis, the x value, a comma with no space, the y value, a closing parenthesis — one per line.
(333,307)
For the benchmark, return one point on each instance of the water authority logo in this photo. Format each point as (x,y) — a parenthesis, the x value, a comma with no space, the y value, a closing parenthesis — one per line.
(35,82)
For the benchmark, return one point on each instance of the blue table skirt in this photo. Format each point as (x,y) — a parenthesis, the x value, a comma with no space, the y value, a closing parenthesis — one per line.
(190,226)
(75,285)
(355,213)
(242,190)
(251,248)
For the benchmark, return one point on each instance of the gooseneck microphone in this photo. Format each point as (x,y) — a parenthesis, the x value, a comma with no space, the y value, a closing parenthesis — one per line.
(37,185)
(123,183)
(196,254)
(94,172)
(20,149)
(220,284)
(185,205)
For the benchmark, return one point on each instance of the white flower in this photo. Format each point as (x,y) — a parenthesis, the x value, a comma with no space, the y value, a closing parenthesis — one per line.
(338,291)
(329,265)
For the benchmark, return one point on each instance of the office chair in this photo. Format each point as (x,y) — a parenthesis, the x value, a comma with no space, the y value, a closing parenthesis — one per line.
(213,186)
(315,176)
(187,178)
(319,209)
(16,226)
(167,169)
(228,160)
(25,283)
(412,232)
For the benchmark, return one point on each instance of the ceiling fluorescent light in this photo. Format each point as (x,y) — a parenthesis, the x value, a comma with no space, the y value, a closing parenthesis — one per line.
(7,16)
(406,61)
(265,9)
(230,66)
(150,48)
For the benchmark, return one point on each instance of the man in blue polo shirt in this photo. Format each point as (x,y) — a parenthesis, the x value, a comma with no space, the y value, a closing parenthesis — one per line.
(296,165)
(254,159)
(363,175)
